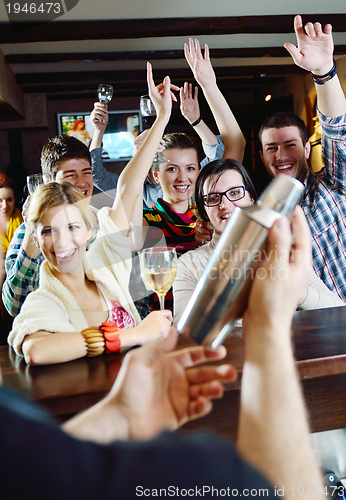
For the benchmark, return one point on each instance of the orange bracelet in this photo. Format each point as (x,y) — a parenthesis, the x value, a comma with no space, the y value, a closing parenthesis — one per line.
(112,339)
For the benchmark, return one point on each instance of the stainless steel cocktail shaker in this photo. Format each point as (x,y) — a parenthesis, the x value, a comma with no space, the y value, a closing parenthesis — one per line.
(221,293)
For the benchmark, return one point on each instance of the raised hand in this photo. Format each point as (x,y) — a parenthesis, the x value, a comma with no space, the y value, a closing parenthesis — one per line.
(99,116)
(157,389)
(315,47)
(161,95)
(201,66)
(141,138)
(189,106)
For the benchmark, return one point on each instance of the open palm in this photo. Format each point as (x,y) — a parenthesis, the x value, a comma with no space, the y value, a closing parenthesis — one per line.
(315,46)
(154,389)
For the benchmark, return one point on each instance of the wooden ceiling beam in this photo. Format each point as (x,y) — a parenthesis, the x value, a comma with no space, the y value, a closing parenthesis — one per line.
(149,55)
(140,75)
(140,28)
(81,91)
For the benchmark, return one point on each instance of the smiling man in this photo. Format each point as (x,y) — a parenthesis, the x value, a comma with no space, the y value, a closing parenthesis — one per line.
(63,159)
(286,149)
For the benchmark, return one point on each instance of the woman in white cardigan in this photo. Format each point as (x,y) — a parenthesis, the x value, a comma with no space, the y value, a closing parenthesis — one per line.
(79,289)
(220,187)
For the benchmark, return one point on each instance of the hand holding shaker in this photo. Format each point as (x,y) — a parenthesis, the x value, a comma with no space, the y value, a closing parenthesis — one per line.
(220,296)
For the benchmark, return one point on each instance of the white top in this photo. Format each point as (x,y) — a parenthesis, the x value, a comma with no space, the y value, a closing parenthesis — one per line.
(53,308)
(192,264)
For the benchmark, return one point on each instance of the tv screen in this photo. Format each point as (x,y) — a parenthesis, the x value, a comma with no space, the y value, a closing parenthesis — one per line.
(122,129)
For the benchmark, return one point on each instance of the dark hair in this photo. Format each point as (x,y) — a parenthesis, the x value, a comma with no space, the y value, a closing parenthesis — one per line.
(177,140)
(7,182)
(62,148)
(284,119)
(217,168)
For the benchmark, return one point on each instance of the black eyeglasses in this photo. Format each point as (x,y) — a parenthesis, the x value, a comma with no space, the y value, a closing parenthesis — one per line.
(233,194)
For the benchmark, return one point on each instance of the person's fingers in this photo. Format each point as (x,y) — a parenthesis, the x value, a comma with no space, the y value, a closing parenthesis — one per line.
(185,89)
(198,49)
(196,93)
(318,29)
(302,238)
(192,356)
(155,350)
(192,49)
(279,242)
(310,30)
(298,25)
(294,52)
(206,52)
(187,55)
(327,29)
(150,80)
(199,408)
(201,375)
(211,390)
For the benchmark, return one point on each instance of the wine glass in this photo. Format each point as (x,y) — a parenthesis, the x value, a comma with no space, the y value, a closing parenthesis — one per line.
(148,114)
(105,93)
(33,182)
(158,270)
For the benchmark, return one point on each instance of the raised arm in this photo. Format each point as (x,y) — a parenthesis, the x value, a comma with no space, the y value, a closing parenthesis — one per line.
(315,53)
(189,108)
(132,178)
(99,120)
(203,72)
(104,181)
(273,428)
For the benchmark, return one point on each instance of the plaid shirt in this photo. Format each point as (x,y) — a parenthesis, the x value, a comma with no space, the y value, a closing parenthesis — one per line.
(22,273)
(324,206)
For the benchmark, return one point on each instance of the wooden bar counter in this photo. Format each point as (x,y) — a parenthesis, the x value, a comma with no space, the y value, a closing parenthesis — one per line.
(319,338)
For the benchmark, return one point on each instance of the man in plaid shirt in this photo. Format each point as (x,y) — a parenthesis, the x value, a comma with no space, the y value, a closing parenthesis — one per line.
(286,149)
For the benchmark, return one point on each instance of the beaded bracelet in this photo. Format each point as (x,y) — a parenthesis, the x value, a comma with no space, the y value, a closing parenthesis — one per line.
(322,79)
(94,340)
(109,330)
(196,122)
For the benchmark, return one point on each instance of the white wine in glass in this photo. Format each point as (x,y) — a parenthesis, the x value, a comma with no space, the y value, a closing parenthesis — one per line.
(158,270)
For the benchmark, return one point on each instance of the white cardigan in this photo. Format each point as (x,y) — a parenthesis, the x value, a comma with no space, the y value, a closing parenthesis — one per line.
(53,308)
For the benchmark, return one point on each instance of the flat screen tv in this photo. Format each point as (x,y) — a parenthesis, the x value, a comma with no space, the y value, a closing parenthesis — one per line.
(122,129)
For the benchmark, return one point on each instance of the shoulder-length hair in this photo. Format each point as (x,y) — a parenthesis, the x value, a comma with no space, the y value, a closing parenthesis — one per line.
(215,169)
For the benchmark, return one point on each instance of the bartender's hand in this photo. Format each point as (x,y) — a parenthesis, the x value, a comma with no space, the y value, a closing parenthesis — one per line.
(155,389)
(204,232)
(281,281)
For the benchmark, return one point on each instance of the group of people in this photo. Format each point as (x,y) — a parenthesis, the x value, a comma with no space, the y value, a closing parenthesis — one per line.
(69,267)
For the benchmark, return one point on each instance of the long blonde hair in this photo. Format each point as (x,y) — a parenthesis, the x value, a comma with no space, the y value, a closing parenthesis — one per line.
(53,194)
